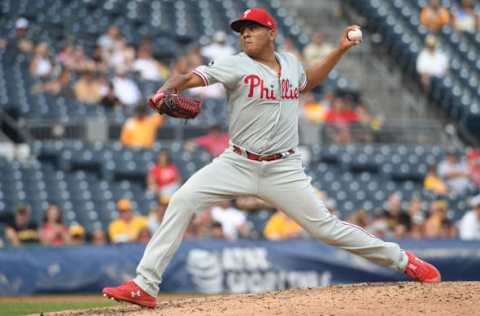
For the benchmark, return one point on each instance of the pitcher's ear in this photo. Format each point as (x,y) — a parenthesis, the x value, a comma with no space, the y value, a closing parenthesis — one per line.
(273,34)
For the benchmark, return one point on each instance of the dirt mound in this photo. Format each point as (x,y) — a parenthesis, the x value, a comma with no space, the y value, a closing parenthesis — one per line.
(405,298)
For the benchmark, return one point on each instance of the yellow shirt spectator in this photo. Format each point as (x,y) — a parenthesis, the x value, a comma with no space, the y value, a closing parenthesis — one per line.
(314,112)
(127,227)
(280,227)
(122,231)
(434,183)
(141,130)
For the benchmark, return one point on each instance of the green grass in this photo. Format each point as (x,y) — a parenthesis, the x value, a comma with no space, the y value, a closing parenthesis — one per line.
(24,308)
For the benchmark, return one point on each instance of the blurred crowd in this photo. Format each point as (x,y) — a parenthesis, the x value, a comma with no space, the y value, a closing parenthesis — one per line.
(109,74)
(251,218)
(432,61)
(434,16)
(456,173)
(246,217)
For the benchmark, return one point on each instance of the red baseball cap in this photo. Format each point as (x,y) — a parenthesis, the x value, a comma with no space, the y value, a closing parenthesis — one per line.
(257,15)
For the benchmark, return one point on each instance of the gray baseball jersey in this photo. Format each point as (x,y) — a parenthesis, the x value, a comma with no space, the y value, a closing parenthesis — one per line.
(263,104)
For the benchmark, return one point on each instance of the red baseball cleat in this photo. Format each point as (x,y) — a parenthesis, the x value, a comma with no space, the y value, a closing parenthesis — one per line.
(132,293)
(420,270)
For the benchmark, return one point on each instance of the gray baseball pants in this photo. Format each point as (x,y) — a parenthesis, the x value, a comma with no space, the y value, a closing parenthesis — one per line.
(284,184)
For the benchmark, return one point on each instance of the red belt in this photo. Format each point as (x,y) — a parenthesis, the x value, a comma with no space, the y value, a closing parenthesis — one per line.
(256,157)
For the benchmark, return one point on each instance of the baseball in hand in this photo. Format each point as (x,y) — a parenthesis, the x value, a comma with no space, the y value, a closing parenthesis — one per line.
(355,35)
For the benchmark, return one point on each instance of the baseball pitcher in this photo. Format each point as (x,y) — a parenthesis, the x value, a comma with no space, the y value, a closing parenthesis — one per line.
(263,89)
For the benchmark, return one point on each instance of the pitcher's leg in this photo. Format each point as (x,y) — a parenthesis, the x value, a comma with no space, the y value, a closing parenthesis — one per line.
(297,198)
(222,179)
(165,241)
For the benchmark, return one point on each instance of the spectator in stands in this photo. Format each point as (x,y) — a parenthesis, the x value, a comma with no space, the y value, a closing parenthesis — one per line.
(466,19)
(163,178)
(20,43)
(281,227)
(454,172)
(108,40)
(218,48)
(201,224)
(317,49)
(379,225)
(216,231)
(122,55)
(73,58)
(115,51)
(144,235)
(67,56)
(95,62)
(314,111)
(83,63)
(141,130)
(431,62)
(77,235)
(258,212)
(89,88)
(233,220)
(127,226)
(473,162)
(215,142)
(433,182)
(156,215)
(147,66)
(126,90)
(53,231)
(433,16)
(415,211)
(469,225)
(438,225)
(59,86)
(398,219)
(41,65)
(109,99)
(20,229)
(339,119)
(368,125)
(98,237)
(360,218)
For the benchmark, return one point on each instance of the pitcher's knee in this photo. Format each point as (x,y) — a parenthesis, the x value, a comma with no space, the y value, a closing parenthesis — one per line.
(182,201)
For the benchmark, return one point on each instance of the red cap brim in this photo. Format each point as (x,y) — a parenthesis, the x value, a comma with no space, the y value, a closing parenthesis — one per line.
(237,24)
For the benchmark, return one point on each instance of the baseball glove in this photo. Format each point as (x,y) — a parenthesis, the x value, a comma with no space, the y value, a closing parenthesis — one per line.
(175,105)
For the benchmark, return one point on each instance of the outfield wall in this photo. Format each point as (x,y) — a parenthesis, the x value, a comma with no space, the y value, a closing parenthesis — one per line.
(216,266)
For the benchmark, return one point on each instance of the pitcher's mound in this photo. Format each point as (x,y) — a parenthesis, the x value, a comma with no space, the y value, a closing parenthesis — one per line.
(405,298)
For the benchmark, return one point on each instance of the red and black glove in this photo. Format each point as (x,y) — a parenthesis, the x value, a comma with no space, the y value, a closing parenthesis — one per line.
(175,105)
